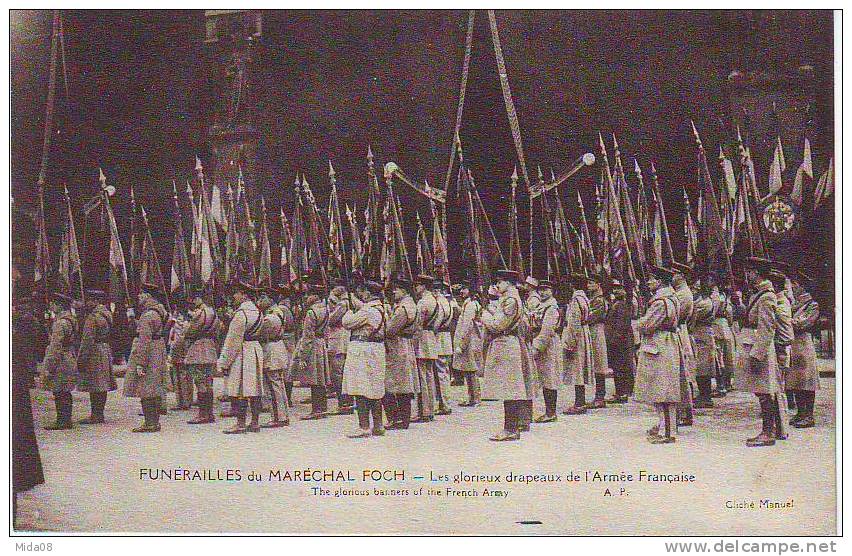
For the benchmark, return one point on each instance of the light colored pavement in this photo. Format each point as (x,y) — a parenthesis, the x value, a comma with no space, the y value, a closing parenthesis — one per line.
(93,472)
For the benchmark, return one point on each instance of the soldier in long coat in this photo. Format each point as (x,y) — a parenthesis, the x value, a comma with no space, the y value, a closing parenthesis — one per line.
(426,348)
(724,337)
(59,366)
(276,358)
(577,344)
(337,338)
(546,347)
(784,334)
(364,372)
(597,329)
(444,347)
(291,306)
(756,361)
(803,378)
(242,359)
(147,363)
(620,342)
(504,362)
(401,360)
(685,297)
(94,358)
(468,346)
(659,367)
(196,353)
(701,325)
(310,364)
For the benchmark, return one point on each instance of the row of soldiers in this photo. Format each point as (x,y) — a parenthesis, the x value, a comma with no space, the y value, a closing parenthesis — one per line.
(388,350)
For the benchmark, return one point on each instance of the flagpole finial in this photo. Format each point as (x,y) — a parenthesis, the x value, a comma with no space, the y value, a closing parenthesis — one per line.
(369,152)
(540,174)
(636,169)
(198,166)
(331,172)
(515,174)
(189,190)
(653,169)
(552,176)
(721,154)
(101,177)
(697,137)
(614,142)
(739,136)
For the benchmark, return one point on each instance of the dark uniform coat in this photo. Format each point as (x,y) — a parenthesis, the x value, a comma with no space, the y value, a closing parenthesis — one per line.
(702,335)
(94,359)
(620,340)
(803,373)
(148,353)
(310,363)
(59,367)
(597,331)
(27,470)
(756,362)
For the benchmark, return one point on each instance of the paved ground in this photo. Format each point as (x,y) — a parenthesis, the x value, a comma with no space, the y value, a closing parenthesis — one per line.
(93,473)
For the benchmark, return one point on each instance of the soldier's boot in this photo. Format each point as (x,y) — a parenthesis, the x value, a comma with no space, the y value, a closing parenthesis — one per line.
(403,407)
(806,398)
(318,400)
(599,402)
(778,421)
(510,422)
(240,426)
(665,433)
(255,405)
(378,420)
(97,401)
(704,399)
(390,409)
(205,409)
(579,407)
(64,407)
(767,433)
(790,395)
(151,411)
(362,407)
(550,397)
(233,409)
(525,410)
(618,397)
(345,404)
(288,387)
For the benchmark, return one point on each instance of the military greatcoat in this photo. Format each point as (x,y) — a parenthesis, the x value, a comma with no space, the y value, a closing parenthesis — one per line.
(660,362)
(546,345)
(577,342)
(148,353)
(803,373)
(94,359)
(242,354)
(59,367)
(756,362)
(467,342)
(505,365)
(401,360)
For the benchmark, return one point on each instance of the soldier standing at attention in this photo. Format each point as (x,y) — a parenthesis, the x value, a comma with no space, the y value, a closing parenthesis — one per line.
(196,352)
(276,358)
(401,360)
(803,378)
(444,344)
(529,292)
(338,339)
(684,296)
(546,347)
(620,343)
(147,362)
(242,359)
(364,372)
(756,361)
(723,335)
(597,329)
(660,363)
(504,362)
(783,339)
(59,367)
(426,348)
(577,343)
(310,364)
(94,359)
(703,316)
(467,345)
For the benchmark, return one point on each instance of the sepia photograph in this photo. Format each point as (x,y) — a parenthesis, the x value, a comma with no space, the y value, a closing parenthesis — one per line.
(425,272)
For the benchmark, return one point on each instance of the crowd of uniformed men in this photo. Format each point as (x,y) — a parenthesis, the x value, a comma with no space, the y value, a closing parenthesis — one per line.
(389,352)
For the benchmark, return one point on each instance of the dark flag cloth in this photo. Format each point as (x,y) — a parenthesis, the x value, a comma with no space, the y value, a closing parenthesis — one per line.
(713,248)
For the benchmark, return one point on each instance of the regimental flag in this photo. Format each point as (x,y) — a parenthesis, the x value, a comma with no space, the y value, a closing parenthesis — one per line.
(42,247)
(181,274)
(298,242)
(423,254)
(232,241)
(357,251)
(264,275)
(208,257)
(135,244)
(247,231)
(825,185)
(588,260)
(713,250)
(440,257)
(776,169)
(664,238)
(151,272)
(631,229)
(217,208)
(618,259)
(728,171)
(286,270)
(804,176)
(70,266)
(690,231)
(516,257)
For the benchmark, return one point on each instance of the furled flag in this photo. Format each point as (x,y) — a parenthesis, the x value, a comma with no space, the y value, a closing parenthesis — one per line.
(423,253)
(825,185)
(804,174)
(70,267)
(357,251)
(42,253)
(181,276)
(713,243)
(285,269)
(440,258)
(264,275)
(728,171)
(690,231)
(217,208)
(776,169)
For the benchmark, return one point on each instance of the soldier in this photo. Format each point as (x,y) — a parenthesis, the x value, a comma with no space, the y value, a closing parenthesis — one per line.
(276,357)
(660,363)
(701,323)
(401,359)
(529,292)
(310,364)
(504,362)
(242,358)
(456,376)
(803,378)
(546,348)
(94,359)
(195,354)
(784,334)
(444,346)
(426,348)
(467,345)
(684,296)
(723,336)
(338,338)
(597,329)
(147,363)
(59,366)
(180,378)
(364,372)
(756,361)
(577,343)
(620,343)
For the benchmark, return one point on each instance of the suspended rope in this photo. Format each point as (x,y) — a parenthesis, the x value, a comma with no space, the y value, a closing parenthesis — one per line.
(468,47)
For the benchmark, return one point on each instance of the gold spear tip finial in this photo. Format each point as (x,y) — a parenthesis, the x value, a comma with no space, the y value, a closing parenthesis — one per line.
(174,188)
(721,153)
(188,188)
(331,173)
(540,174)
(653,168)
(515,173)
(369,152)
(101,176)
(695,132)
(739,135)
(297,183)
(614,142)
(636,168)
(552,175)
(198,166)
